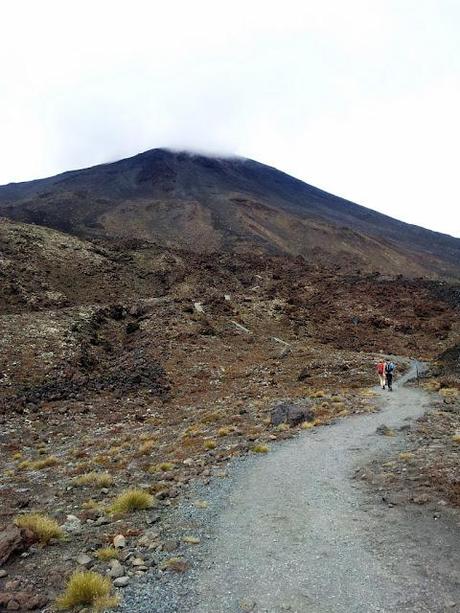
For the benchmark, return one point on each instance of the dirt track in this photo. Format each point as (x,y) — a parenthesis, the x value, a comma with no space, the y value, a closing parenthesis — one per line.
(293,531)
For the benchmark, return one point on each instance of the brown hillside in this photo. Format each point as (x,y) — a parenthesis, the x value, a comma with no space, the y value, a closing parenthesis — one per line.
(207,204)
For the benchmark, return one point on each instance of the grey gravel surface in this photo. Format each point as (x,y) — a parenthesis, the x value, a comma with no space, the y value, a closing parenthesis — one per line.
(293,531)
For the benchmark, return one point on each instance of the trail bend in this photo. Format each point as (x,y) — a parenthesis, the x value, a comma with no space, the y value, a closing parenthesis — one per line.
(293,531)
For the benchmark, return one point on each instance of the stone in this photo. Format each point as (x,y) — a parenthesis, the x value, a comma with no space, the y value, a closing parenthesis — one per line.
(3,573)
(72,525)
(303,374)
(10,541)
(384,430)
(119,541)
(290,414)
(170,545)
(116,569)
(21,601)
(137,562)
(84,559)
(121,581)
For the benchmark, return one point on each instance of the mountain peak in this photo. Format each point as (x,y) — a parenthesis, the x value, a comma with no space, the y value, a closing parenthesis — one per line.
(205,202)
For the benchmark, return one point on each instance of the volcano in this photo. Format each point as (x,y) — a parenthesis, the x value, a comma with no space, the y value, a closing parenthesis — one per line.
(213,204)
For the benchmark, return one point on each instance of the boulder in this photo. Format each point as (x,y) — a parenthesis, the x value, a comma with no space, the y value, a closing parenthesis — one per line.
(119,541)
(10,541)
(116,569)
(290,414)
(21,601)
(303,374)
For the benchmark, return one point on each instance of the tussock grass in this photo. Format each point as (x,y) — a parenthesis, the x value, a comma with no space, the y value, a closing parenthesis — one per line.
(50,460)
(211,417)
(17,455)
(87,588)
(224,431)
(260,448)
(209,443)
(431,386)
(406,456)
(318,394)
(94,479)
(178,565)
(336,399)
(282,428)
(456,437)
(107,553)
(45,528)
(146,447)
(132,500)
(191,540)
(161,467)
(307,425)
(448,392)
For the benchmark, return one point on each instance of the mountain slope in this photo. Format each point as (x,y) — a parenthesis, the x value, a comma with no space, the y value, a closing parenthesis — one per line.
(212,204)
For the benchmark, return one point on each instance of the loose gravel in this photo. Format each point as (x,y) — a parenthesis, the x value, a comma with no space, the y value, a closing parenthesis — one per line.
(293,531)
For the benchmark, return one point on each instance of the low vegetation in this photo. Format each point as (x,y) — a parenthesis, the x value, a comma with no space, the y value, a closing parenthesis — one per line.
(260,448)
(43,527)
(132,500)
(39,464)
(94,479)
(87,588)
(107,553)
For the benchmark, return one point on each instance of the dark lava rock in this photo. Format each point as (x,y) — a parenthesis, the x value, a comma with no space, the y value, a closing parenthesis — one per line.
(291,414)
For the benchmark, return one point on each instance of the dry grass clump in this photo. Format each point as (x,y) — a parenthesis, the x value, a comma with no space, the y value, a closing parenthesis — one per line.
(107,553)
(431,385)
(307,425)
(406,456)
(193,431)
(260,448)
(161,467)
(209,443)
(456,437)
(45,528)
(448,392)
(17,455)
(50,460)
(146,447)
(178,565)
(336,399)
(209,418)
(132,500)
(191,540)
(94,479)
(87,588)
(224,431)
(92,505)
(318,394)
(282,428)
(102,459)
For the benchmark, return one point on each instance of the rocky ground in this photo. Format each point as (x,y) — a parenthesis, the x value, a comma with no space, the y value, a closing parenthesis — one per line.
(427,470)
(156,366)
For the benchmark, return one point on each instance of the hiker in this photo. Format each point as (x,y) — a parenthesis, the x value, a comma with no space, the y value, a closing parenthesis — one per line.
(389,370)
(380,367)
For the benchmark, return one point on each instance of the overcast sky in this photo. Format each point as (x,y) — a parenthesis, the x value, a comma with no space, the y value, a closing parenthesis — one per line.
(361,98)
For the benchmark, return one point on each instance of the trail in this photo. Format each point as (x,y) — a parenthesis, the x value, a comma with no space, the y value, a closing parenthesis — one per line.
(293,531)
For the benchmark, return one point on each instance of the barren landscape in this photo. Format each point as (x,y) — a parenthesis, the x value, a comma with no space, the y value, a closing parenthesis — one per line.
(130,363)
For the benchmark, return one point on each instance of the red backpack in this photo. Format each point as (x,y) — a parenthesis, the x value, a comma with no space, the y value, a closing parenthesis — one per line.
(381,368)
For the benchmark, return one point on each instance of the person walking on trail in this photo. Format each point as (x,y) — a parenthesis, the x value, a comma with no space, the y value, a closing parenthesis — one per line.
(380,367)
(389,371)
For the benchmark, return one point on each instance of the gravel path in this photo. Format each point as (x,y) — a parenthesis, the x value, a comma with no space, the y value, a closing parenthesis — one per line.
(292,531)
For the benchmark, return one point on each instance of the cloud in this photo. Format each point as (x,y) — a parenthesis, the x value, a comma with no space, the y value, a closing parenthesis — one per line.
(358,98)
